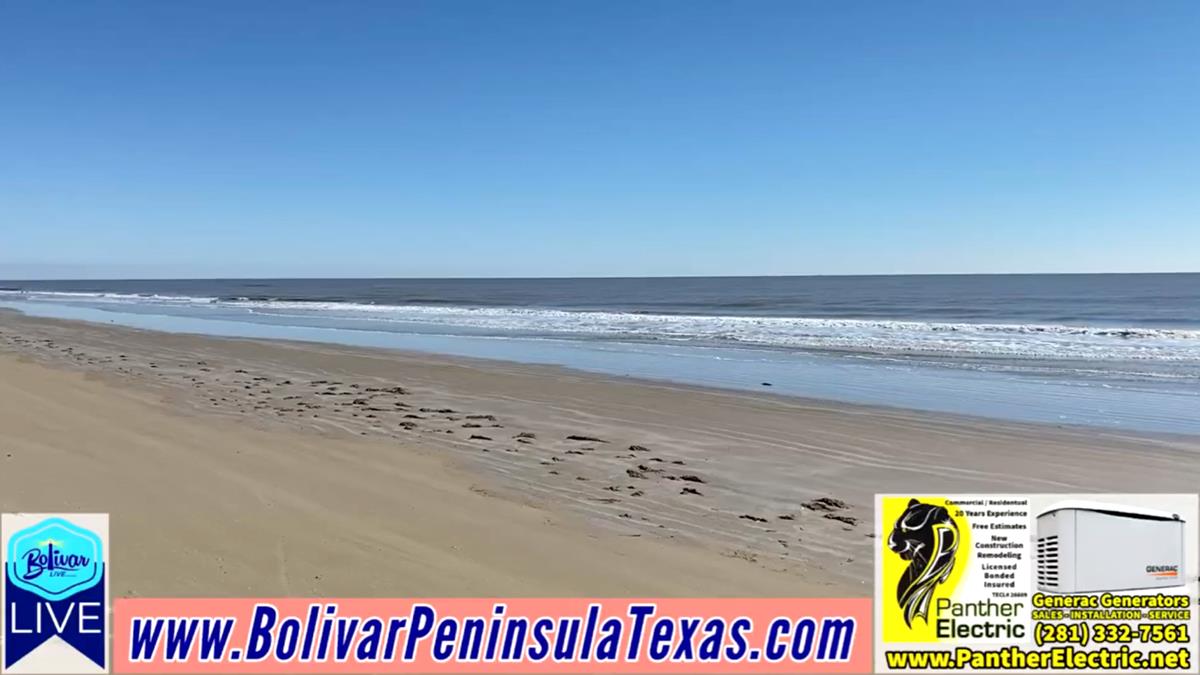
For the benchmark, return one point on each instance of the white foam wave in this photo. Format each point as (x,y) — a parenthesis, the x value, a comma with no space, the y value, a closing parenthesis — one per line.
(104,297)
(953,339)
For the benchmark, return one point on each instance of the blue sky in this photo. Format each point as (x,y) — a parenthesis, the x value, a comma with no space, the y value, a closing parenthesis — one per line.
(221,138)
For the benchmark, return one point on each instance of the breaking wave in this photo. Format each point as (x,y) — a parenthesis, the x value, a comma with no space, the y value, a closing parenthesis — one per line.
(911,337)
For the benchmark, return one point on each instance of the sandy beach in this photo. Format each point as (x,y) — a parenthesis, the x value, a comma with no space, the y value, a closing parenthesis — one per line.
(247,467)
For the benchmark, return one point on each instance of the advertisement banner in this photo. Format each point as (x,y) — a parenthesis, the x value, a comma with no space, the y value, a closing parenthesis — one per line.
(963,583)
(1036,583)
(492,635)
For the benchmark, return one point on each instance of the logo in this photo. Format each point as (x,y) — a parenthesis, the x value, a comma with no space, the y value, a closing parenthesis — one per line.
(55,591)
(927,537)
(1162,570)
(55,559)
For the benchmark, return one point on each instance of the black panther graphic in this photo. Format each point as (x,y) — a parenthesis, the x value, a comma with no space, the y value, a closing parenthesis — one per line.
(926,535)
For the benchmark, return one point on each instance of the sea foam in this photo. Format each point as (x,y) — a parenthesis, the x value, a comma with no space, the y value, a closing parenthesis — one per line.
(865,335)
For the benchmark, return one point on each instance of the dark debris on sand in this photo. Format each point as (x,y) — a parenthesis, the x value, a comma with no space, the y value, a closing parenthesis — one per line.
(825,504)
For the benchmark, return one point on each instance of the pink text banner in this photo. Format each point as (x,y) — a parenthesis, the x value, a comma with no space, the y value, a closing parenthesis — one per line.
(491,635)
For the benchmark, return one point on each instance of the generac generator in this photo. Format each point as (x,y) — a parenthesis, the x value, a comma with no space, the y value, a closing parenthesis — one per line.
(1092,547)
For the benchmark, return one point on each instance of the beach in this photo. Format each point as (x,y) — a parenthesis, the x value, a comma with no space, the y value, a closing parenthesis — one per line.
(1112,351)
(268,467)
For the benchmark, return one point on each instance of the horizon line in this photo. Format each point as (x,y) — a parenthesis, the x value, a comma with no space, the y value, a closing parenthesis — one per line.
(559,278)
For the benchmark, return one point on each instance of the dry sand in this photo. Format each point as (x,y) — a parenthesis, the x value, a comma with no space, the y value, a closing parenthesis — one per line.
(241,467)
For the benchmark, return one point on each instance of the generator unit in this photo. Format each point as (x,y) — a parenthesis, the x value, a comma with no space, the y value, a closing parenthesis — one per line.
(1093,547)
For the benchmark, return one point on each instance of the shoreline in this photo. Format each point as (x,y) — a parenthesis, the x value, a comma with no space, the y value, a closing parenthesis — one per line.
(771,481)
(557,370)
(1030,391)
(928,384)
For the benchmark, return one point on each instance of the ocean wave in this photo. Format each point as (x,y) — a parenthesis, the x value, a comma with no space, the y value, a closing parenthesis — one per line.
(98,296)
(875,336)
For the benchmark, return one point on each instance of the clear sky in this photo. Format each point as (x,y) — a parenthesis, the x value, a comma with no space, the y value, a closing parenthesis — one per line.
(582,138)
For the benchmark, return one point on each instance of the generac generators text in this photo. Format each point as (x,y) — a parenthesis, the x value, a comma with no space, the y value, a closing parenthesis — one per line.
(1159,601)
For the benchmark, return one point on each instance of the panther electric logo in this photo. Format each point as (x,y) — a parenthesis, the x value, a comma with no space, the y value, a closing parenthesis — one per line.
(927,537)
(55,593)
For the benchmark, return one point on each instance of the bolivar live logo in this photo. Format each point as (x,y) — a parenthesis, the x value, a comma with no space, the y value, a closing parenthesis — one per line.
(55,593)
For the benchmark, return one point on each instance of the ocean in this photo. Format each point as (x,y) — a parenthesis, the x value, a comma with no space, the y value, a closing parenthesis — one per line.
(1118,351)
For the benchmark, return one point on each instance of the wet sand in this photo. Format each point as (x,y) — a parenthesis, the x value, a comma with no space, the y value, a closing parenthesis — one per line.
(245,467)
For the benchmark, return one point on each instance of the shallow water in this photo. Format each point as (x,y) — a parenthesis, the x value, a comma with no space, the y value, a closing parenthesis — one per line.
(1023,391)
(1133,326)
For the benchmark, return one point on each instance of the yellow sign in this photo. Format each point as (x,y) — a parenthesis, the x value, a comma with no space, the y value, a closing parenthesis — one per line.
(926,545)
